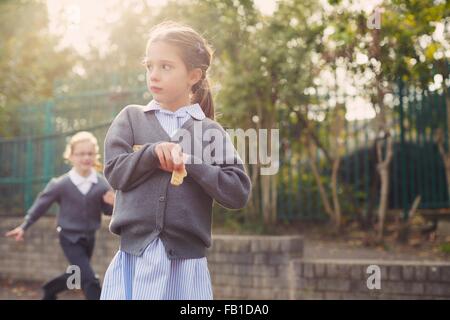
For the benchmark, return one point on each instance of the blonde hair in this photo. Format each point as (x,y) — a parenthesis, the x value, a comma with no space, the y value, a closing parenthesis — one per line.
(195,53)
(81,137)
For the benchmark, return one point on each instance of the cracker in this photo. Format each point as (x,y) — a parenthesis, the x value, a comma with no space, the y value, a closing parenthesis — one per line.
(177,177)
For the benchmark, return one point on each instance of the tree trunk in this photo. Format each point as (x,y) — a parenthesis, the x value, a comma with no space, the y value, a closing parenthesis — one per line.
(383,170)
(268,182)
(322,192)
(334,187)
(253,207)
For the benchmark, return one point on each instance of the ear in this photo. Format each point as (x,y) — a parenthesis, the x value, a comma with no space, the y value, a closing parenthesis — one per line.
(194,76)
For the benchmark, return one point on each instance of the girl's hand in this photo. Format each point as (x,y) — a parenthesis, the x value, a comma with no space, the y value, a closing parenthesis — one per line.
(170,156)
(17,233)
(109,197)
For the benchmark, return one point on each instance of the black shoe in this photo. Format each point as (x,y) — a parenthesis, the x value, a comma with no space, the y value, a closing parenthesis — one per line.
(48,296)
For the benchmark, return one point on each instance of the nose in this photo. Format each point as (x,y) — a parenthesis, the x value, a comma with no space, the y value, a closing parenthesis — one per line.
(154,74)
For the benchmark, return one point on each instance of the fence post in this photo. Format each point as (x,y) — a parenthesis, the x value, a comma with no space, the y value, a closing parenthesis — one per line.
(48,156)
(28,197)
(404,189)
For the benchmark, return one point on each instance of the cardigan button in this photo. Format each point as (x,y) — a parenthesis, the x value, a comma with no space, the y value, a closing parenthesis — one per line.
(162,198)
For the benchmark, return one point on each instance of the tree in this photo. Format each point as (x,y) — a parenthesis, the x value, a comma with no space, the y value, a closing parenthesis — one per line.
(29,60)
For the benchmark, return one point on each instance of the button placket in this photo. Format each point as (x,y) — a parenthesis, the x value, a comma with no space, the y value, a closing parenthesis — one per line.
(161,207)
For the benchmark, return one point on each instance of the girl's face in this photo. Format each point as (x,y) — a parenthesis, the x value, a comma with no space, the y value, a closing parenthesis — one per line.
(83,156)
(168,79)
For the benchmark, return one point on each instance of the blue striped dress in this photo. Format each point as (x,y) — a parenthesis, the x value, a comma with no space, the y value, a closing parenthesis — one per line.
(152,275)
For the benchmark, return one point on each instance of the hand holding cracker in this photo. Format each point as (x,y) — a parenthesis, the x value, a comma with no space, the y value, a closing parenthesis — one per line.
(178,175)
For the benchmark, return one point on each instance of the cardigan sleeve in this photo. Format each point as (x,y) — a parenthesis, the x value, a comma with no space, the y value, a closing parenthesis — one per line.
(124,168)
(224,177)
(44,200)
(107,209)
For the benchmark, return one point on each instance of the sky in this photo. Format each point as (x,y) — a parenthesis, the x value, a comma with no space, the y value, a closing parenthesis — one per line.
(80,21)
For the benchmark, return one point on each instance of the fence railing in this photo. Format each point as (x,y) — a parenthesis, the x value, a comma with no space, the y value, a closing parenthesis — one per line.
(28,162)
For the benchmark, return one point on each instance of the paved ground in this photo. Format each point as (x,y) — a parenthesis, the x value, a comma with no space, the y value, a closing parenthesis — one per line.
(30,290)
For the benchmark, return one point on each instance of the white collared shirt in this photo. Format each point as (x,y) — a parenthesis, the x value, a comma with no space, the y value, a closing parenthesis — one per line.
(83,184)
(172,121)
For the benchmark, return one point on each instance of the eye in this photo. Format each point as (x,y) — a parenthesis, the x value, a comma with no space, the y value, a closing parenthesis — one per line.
(167,67)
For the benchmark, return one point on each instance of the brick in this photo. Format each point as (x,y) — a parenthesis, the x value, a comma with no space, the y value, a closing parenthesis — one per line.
(241,246)
(308,271)
(302,295)
(434,273)
(244,258)
(338,271)
(395,273)
(332,270)
(420,273)
(356,272)
(415,288)
(265,245)
(231,280)
(256,270)
(306,284)
(276,259)
(268,282)
(359,285)
(384,273)
(332,296)
(284,295)
(437,289)
(333,284)
(408,273)
(319,269)
(257,294)
(360,296)
(260,258)
(293,246)
(407,288)
(445,274)
(299,267)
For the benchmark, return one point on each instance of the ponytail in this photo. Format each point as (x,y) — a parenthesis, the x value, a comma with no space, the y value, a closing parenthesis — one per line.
(202,95)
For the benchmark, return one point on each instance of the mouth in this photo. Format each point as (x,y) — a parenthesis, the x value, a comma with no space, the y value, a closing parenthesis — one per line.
(155,89)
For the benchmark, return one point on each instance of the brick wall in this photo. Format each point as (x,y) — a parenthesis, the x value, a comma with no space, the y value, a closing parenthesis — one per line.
(254,267)
(243,267)
(347,279)
(40,256)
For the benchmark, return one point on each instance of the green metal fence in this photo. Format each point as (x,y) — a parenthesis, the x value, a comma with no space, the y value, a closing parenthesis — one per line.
(417,167)
(28,162)
(298,192)
(421,114)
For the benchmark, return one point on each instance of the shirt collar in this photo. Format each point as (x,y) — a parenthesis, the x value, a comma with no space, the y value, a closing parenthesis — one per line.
(79,179)
(194,110)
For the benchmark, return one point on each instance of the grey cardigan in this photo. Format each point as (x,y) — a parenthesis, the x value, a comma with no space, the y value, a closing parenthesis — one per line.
(79,214)
(147,205)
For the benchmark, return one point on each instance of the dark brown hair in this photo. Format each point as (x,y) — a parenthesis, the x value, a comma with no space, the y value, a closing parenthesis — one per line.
(195,53)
